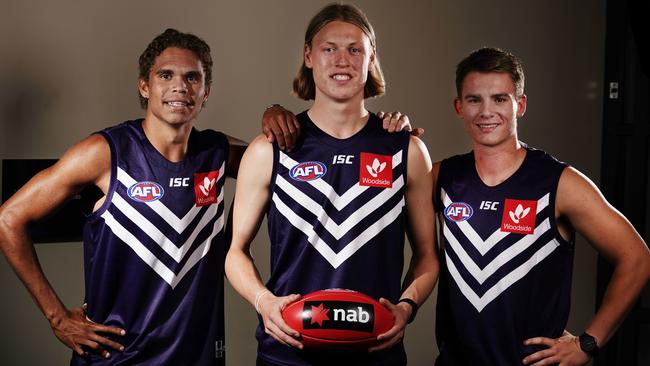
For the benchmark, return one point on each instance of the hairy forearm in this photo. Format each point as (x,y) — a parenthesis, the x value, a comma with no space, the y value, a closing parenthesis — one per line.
(624,287)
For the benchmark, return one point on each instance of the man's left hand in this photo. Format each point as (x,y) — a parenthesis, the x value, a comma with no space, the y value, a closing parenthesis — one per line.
(564,351)
(401,312)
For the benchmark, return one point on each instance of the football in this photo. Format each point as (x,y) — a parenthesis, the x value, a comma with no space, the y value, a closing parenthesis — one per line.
(338,318)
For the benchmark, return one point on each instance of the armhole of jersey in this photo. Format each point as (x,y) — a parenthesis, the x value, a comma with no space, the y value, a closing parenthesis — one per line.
(406,148)
(112,185)
(226,155)
(556,232)
(438,205)
(276,161)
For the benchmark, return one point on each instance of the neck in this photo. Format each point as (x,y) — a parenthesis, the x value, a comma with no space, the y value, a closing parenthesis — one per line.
(340,120)
(495,164)
(170,140)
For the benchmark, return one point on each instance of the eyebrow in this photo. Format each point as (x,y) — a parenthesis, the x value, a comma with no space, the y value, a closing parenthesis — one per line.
(164,71)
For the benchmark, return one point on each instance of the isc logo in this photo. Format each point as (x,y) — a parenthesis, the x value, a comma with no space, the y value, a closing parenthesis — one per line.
(346,315)
(146,191)
(309,170)
(459,211)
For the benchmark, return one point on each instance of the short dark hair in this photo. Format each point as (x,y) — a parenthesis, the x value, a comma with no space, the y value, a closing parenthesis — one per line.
(303,83)
(488,59)
(173,38)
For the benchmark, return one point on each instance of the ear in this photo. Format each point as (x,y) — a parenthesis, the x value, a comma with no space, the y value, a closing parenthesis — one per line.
(521,106)
(371,63)
(458,106)
(207,94)
(307,56)
(143,88)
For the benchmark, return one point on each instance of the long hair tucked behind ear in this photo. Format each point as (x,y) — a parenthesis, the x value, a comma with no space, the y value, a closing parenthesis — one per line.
(303,83)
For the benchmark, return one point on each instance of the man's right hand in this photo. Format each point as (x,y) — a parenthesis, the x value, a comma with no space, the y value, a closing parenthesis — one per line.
(271,308)
(76,331)
(279,124)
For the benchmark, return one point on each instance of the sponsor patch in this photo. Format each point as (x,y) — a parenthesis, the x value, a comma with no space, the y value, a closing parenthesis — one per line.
(146,191)
(205,187)
(345,315)
(307,171)
(459,211)
(375,170)
(519,216)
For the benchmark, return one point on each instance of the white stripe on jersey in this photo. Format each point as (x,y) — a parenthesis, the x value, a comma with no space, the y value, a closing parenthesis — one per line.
(336,259)
(508,280)
(179,224)
(338,230)
(340,202)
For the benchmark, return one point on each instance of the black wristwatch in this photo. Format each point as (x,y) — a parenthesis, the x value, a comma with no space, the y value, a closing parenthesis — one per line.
(588,344)
(414,308)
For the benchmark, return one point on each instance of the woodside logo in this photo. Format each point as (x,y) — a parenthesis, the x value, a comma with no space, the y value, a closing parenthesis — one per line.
(205,190)
(376,170)
(519,216)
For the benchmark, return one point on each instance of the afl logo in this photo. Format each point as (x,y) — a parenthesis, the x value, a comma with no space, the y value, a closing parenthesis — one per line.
(459,211)
(308,171)
(146,191)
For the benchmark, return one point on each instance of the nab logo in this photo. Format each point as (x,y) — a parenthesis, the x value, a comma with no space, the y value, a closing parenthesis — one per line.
(459,211)
(519,216)
(146,191)
(376,170)
(307,171)
(343,315)
(205,190)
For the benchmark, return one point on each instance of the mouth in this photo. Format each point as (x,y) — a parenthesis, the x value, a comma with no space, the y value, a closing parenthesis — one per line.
(341,77)
(178,104)
(486,127)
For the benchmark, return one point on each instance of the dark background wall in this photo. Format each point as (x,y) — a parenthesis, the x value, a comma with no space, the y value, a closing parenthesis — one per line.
(68,68)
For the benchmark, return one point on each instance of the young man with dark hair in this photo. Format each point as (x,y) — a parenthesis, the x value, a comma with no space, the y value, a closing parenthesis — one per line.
(154,246)
(343,226)
(508,215)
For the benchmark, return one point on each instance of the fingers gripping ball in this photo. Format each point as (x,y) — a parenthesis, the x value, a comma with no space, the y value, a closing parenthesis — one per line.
(338,318)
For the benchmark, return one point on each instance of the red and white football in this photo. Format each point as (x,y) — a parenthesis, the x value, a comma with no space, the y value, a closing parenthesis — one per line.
(338,318)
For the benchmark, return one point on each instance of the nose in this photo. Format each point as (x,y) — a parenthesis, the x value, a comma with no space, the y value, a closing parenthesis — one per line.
(486,110)
(342,58)
(179,85)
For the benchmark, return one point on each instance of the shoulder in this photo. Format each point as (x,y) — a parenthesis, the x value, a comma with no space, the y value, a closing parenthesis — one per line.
(259,148)
(576,192)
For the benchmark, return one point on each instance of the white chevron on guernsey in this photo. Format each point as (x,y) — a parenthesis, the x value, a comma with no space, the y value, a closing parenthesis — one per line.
(508,280)
(177,253)
(179,224)
(336,259)
(332,227)
(338,201)
(150,259)
(481,245)
(504,257)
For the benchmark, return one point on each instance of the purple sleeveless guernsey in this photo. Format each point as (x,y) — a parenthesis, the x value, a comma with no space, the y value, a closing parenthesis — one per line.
(505,269)
(337,220)
(154,251)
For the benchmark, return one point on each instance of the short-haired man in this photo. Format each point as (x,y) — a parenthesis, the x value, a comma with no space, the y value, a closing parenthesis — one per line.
(508,214)
(343,225)
(154,246)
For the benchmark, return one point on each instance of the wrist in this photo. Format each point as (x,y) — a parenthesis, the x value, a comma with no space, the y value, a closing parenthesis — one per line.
(588,344)
(414,308)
